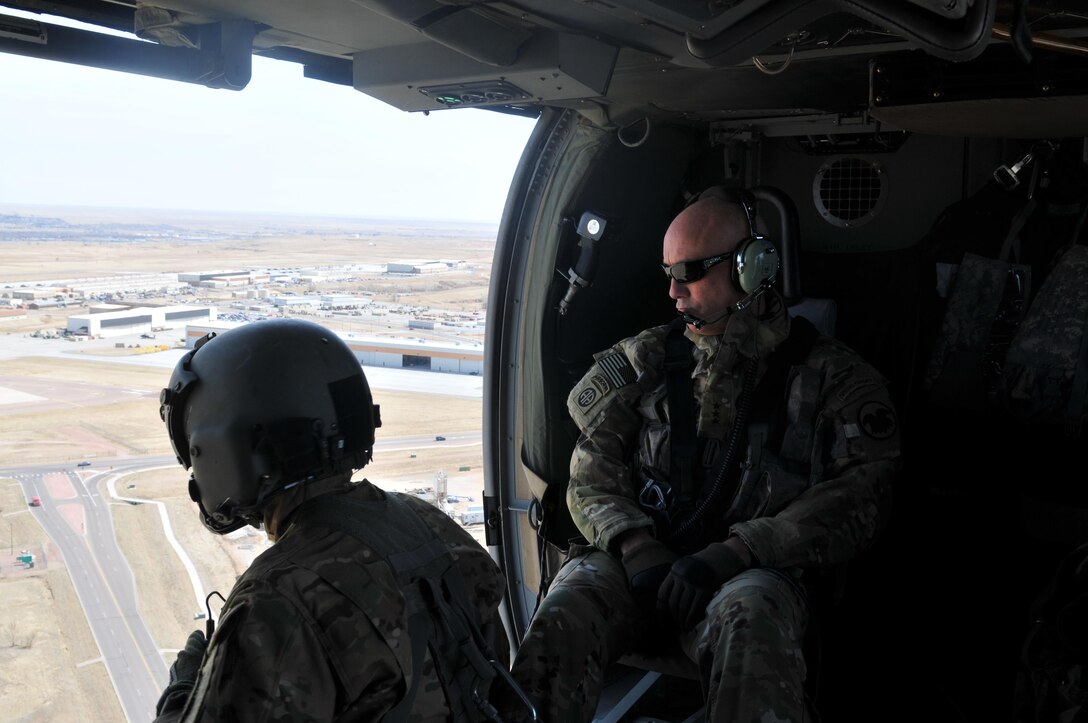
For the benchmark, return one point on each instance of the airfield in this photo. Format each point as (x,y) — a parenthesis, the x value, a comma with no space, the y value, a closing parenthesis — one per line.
(104,561)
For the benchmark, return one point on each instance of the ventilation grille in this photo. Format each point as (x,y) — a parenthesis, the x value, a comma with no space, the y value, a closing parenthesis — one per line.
(849,192)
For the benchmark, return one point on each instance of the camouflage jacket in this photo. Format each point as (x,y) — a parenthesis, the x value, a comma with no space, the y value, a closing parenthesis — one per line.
(290,646)
(816,500)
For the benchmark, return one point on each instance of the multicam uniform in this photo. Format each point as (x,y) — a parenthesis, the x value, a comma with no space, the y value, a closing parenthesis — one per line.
(292,645)
(814,499)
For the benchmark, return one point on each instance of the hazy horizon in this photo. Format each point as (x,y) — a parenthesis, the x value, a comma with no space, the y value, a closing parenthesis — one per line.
(35,210)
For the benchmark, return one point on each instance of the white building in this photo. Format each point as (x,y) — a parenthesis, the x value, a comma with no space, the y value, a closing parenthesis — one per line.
(295,301)
(139,320)
(223,279)
(455,358)
(343,301)
(420,266)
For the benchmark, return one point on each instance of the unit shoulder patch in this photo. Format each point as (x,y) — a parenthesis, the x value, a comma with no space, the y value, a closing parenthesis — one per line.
(611,372)
(877,420)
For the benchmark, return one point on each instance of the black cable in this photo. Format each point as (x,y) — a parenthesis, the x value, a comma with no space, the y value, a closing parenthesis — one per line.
(711,501)
(542,565)
(210,625)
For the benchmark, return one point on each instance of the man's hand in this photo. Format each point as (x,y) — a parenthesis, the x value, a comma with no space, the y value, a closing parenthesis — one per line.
(694,579)
(646,562)
(183,673)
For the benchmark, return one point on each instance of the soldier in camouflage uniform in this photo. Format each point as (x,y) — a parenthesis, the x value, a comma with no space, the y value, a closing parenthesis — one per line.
(273,418)
(731,594)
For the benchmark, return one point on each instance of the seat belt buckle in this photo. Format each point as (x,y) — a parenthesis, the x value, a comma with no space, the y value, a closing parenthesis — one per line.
(513,684)
(655,496)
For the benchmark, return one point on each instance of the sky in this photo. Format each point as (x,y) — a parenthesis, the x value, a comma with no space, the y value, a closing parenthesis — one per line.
(73,135)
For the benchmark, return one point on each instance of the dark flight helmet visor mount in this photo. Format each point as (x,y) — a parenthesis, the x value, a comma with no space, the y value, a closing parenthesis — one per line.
(262,409)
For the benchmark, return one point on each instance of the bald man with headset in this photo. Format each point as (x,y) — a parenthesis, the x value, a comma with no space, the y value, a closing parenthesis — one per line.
(723,460)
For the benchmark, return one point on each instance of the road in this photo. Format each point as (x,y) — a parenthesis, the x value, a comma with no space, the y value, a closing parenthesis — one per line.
(75,513)
(102,579)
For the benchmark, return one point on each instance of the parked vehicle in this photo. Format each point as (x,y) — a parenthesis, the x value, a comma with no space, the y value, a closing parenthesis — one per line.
(472,516)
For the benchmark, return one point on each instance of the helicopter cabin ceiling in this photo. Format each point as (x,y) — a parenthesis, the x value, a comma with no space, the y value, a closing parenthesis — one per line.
(927,65)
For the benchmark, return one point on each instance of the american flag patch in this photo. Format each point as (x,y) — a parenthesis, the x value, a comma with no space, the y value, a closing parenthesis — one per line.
(616,369)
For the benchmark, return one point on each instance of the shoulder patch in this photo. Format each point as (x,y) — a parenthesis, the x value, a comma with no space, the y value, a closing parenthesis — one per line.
(587,397)
(877,420)
(600,387)
(595,387)
(615,370)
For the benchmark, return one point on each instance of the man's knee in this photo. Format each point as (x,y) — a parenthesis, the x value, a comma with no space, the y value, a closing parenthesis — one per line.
(749,648)
(594,570)
(761,607)
(583,620)
(572,639)
(588,596)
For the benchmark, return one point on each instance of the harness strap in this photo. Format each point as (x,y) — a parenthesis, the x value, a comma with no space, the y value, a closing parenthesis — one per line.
(418,631)
(682,436)
(1012,237)
(768,394)
(1074,411)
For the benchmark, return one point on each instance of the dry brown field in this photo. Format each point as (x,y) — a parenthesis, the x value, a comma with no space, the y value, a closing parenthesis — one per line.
(215,242)
(50,665)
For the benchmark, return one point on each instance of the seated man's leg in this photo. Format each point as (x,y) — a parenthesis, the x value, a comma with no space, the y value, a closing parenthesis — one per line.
(583,625)
(749,649)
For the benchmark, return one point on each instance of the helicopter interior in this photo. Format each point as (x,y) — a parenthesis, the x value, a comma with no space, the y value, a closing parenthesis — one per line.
(984,509)
(917,142)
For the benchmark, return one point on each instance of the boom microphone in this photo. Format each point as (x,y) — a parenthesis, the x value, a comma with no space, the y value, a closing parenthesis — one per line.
(700,323)
(739,306)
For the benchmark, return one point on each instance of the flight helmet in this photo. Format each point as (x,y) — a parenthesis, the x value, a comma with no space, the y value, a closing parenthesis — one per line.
(264,408)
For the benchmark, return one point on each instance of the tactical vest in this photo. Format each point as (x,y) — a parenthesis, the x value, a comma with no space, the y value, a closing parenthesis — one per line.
(692,508)
(439,612)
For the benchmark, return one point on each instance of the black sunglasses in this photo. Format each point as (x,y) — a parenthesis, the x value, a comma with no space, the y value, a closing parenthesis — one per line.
(687,271)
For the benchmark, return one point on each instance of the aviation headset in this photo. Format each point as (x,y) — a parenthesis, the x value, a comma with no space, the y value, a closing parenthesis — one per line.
(755,260)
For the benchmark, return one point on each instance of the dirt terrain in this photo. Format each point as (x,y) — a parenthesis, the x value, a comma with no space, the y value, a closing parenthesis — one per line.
(82,407)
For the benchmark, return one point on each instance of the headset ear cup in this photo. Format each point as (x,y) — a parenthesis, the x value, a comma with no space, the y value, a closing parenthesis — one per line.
(756,263)
(738,265)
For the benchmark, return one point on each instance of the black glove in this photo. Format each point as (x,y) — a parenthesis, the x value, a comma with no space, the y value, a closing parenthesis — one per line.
(646,566)
(183,673)
(694,579)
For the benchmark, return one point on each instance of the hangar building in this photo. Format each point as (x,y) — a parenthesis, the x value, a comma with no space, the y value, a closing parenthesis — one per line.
(139,320)
(375,351)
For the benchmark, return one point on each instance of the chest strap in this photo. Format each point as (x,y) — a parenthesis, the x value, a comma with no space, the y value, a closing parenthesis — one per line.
(679,365)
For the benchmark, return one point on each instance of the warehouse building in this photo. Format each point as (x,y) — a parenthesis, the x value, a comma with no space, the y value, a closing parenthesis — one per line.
(139,320)
(223,279)
(374,351)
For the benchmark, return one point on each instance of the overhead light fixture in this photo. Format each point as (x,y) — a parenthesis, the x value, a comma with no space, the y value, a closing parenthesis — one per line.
(486,92)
